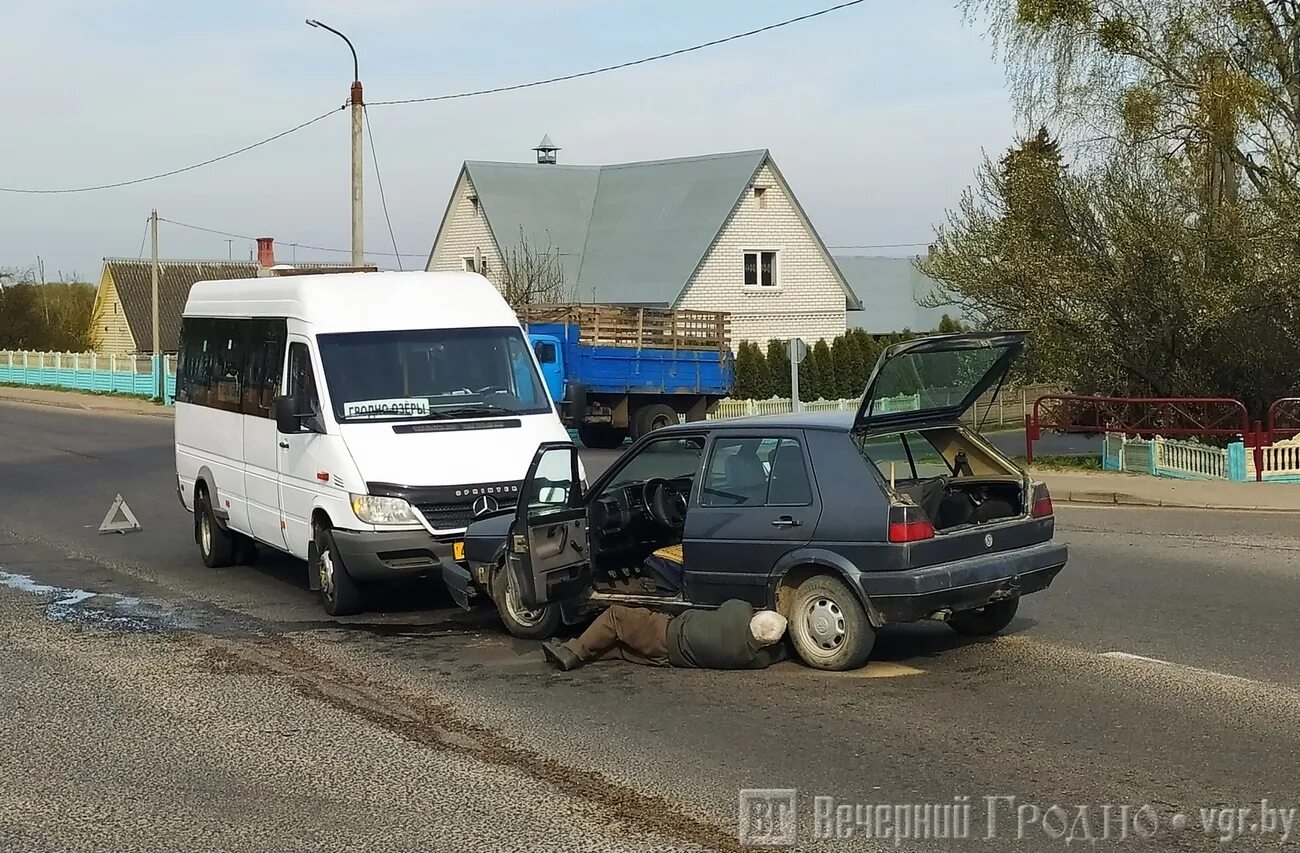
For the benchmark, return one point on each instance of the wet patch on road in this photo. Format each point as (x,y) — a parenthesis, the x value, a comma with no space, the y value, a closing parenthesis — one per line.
(101,609)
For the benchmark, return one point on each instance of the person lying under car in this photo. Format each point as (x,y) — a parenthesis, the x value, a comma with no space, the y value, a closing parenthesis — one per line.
(734,636)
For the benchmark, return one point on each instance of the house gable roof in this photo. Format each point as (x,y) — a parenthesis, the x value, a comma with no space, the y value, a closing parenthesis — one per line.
(891,291)
(633,232)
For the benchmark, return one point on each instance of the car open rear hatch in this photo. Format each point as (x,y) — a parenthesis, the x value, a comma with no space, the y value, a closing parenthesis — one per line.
(935,379)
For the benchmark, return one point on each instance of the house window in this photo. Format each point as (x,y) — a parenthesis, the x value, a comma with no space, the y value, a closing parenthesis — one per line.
(467,264)
(760,269)
(760,196)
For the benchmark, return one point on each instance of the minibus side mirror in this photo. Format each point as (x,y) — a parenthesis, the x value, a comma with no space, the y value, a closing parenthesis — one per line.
(287,421)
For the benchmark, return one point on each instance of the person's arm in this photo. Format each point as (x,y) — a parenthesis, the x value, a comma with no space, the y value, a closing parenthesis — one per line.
(769,655)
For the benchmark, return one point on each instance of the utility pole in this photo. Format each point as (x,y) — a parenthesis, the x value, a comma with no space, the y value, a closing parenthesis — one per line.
(230,250)
(358,106)
(158,373)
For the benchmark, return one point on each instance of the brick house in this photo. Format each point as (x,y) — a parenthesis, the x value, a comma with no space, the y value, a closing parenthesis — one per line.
(722,232)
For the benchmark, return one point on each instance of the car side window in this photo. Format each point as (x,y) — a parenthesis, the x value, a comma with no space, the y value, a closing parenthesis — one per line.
(667,459)
(926,461)
(756,472)
(907,456)
(889,456)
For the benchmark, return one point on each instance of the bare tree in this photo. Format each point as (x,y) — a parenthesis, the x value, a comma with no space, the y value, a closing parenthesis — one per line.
(533,275)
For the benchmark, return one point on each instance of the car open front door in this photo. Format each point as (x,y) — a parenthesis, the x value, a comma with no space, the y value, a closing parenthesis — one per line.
(936,378)
(547,554)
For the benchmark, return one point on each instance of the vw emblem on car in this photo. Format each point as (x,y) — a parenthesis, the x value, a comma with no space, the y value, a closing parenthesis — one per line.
(484,504)
(988,540)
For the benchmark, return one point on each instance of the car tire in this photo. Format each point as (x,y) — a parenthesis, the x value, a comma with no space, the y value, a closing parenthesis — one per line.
(340,594)
(540,624)
(984,621)
(655,416)
(828,626)
(601,436)
(216,544)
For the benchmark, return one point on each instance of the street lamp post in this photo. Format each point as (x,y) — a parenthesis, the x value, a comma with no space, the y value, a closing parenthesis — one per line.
(354,98)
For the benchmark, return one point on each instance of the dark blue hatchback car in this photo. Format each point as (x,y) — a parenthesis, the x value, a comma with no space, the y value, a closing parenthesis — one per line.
(844,522)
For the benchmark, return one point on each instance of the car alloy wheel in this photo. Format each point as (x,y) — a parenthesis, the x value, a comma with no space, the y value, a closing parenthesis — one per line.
(521,614)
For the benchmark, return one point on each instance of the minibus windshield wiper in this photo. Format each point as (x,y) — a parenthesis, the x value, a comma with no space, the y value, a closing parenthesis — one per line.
(471,411)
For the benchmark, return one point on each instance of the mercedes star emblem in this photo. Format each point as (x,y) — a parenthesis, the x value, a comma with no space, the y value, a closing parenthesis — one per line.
(484,504)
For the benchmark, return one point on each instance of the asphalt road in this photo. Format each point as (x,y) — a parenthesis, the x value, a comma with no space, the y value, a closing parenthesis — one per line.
(167,706)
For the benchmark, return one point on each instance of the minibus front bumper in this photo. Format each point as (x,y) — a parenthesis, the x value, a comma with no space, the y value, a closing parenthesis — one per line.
(381,555)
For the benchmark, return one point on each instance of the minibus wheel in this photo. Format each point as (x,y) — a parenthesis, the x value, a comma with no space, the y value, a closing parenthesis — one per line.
(216,544)
(539,624)
(339,593)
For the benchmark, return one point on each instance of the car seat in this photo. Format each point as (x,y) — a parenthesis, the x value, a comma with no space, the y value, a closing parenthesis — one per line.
(746,478)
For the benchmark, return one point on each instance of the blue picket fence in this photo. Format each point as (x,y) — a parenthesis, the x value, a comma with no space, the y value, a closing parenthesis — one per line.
(1182,460)
(136,375)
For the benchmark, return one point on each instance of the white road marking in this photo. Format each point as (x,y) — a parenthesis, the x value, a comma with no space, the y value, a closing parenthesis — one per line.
(1126,656)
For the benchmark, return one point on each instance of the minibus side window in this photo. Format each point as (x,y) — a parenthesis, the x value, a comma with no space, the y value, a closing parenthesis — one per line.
(302,382)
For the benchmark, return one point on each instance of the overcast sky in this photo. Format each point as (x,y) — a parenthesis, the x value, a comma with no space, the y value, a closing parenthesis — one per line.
(877,114)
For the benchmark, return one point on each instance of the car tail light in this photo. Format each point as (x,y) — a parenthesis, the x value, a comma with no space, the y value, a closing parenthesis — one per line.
(1042,506)
(907,523)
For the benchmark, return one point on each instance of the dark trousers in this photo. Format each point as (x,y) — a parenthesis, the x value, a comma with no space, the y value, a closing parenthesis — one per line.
(634,634)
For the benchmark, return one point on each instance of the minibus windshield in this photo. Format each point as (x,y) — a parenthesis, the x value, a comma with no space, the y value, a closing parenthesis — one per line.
(428,374)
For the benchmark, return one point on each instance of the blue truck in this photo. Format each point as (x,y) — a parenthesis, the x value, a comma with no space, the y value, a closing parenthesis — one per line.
(619,371)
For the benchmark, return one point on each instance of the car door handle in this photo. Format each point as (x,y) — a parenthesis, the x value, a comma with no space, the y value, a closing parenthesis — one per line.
(284,444)
(786,521)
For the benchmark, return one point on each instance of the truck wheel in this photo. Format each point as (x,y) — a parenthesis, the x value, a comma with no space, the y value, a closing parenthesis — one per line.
(601,436)
(339,593)
(828,626)
(984,621)
(539,624)
(649,418)
(216,544)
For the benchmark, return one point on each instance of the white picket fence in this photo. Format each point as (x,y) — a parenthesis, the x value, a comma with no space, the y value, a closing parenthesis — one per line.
(1281,461)
(1192,460)
(783,405)
(1167,457)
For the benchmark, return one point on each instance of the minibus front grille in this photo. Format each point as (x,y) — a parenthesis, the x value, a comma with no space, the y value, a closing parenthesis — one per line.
(455,516)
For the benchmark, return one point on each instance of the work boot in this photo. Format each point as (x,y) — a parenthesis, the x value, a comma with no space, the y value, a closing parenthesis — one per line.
(560,656)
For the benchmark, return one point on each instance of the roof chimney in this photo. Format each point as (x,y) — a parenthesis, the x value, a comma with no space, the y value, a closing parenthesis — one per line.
(546,151)
(266,252)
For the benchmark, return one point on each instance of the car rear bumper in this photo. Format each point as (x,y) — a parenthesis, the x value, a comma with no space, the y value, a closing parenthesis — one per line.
(911,594)
(391,554)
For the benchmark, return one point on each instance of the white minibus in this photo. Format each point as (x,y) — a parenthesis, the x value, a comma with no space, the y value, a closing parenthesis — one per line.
(358,421)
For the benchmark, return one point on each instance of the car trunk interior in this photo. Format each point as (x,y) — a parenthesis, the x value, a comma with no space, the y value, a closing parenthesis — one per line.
(952,474)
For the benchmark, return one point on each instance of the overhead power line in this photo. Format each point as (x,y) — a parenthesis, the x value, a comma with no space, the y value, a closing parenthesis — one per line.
(593,72)
(285,242)
(374,158)
(885,245)
(171,172)
(454,96)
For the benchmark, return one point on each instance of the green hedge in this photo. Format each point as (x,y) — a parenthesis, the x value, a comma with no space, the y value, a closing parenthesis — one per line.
(832,370)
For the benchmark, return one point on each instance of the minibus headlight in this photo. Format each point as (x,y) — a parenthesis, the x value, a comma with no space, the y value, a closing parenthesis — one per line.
(373,509)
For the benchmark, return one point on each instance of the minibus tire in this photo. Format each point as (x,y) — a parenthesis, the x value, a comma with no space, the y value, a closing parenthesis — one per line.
(340,595)
(216,544)
(542,627)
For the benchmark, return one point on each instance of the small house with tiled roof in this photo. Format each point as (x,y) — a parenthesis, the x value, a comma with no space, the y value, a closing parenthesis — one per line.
(122,319)
(722,232)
